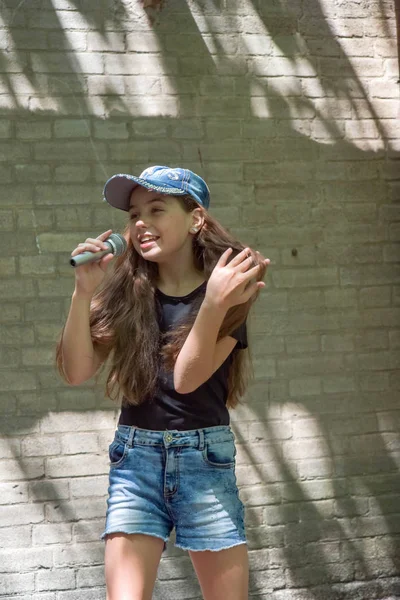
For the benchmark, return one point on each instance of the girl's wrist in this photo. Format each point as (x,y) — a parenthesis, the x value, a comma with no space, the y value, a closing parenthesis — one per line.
(212,305)
(81,295)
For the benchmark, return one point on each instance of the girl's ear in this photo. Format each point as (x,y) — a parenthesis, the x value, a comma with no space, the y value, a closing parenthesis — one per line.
(197,220)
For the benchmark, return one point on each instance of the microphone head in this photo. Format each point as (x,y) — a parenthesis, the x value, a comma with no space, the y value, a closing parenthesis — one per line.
(118,243)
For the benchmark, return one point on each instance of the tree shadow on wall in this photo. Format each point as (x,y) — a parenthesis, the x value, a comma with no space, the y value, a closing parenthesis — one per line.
(263,127)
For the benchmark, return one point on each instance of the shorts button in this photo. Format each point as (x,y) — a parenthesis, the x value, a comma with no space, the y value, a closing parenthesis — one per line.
(168,437)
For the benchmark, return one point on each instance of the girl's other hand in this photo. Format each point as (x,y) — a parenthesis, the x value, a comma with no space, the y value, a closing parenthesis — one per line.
(230,283)
(88,277)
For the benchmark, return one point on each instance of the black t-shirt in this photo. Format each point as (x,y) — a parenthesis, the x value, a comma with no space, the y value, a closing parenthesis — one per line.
(205,406)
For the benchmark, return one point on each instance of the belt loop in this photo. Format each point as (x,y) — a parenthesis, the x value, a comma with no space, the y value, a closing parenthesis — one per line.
(131,436)
(201,439)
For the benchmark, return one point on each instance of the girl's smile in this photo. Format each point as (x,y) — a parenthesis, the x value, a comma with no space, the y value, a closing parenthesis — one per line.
(145,245)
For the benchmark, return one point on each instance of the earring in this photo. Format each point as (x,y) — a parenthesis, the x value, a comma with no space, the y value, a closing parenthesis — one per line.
(193,230)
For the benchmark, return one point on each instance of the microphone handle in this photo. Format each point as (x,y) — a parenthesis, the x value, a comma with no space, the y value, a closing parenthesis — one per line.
(88,257)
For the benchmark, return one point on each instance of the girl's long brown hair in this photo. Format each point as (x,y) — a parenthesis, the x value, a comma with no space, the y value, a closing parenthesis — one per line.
(124,316)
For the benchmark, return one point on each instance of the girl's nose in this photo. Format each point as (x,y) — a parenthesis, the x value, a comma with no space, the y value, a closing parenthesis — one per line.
(141,223)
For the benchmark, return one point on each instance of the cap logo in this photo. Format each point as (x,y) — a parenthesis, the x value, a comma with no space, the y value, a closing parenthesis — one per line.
(173,175)
(148,172)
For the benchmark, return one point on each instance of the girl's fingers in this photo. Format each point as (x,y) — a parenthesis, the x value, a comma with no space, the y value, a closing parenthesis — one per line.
(105,261)
(239,258)
(222,259)
(250,291)
(89,247)
(104,235)
(246,263)
(93,244)
(253,272)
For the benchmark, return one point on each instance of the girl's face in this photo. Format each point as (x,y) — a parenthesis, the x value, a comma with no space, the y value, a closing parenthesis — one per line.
(159,226)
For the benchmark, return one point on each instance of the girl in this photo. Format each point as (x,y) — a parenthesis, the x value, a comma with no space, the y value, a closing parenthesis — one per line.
(171,320)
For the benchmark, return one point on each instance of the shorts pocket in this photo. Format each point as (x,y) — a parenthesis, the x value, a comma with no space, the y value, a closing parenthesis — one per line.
(220,454)
(117,452)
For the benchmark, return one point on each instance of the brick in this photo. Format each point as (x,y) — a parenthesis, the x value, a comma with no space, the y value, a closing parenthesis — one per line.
(36,265)
(69,151)
(146,64)
(68,173)
(51,534)
(337,343)
(16,334)
(337,384)
(8,266)
(70,85)
(369,275)
(389,90)
(58,63)
(305,386)
(90,577)
(94,420)
(301,344)
(375,296)
(15,537)
(5,129)
(37,219)
(79,443)
(89,486)
(33,130)
(43,446)
(111,130)
(26,559)
(14,151)
(304,449)
(115,41)
(29,173)
(305,299)
(260,495)
(13,493)
(31,513)
(75,41)
(38,310)
(369,340)
(305,277)
(71,128)
(192,129)
(59,579)
(21,582)
(374,381)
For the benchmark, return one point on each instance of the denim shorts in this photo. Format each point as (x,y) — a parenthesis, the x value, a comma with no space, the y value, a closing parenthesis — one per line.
(183,479)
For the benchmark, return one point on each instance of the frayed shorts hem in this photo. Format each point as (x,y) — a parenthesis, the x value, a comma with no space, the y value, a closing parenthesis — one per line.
(226,547)
(120,530)
(176,544)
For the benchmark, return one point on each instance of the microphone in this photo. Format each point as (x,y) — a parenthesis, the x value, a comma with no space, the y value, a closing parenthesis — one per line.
(117,246)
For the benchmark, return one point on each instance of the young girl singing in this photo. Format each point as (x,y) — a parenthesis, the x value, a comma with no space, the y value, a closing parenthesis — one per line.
(168,321)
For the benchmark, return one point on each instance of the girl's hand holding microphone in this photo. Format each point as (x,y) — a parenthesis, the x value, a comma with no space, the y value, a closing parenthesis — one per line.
(91,272)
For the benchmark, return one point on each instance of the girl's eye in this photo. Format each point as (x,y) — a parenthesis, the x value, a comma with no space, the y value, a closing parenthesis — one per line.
(135,216)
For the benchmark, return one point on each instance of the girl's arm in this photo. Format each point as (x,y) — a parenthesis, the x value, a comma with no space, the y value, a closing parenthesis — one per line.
(201,355)
(80,361)
(229,284)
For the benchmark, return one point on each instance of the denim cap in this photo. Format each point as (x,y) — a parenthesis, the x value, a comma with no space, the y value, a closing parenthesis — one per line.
(166,180)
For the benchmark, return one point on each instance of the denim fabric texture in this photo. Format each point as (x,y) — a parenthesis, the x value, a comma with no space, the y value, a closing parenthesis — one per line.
(164,180)
(184,479)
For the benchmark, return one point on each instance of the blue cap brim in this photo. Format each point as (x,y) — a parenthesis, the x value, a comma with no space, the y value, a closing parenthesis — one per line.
(118,189)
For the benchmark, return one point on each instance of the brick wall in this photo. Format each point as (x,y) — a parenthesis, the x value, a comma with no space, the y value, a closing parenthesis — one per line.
(290,111)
